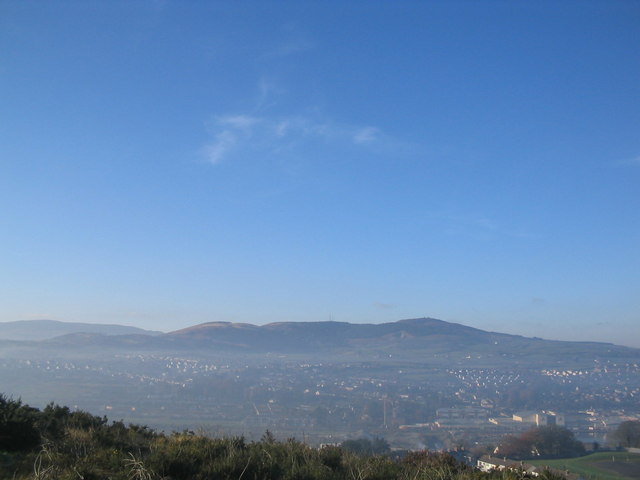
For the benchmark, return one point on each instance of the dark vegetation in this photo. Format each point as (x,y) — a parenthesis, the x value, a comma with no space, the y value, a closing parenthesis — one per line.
(59,444)
(364,446)
(549,441)
(628,434)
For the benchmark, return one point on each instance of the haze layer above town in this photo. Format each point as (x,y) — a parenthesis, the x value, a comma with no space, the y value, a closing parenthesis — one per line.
(417,383)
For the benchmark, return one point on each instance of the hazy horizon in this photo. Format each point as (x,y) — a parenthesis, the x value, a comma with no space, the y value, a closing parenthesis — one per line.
(165,164)
(329,320)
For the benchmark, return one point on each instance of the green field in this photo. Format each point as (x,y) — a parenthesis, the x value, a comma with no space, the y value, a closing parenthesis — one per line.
(599,466)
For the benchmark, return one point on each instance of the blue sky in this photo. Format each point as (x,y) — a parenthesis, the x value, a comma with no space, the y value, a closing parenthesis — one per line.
(164,164)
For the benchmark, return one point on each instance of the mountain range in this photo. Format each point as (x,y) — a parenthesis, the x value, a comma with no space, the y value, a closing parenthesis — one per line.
(412,338)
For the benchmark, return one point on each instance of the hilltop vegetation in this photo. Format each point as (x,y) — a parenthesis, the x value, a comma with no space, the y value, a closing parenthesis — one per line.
(59,444)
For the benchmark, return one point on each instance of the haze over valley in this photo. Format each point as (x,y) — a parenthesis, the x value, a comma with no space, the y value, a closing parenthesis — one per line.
(413,382)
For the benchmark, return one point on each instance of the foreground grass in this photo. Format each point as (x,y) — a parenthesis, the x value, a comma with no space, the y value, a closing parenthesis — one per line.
(59,444)
(599,466)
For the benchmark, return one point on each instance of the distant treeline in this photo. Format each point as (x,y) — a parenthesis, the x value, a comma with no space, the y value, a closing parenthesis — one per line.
(59,444)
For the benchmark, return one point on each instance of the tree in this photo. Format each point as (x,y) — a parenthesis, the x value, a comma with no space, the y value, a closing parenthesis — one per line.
(379,446)
(516,447)
(628,434)
(18,430)
(555,441)
(548,441)
(364,446)
(424,460)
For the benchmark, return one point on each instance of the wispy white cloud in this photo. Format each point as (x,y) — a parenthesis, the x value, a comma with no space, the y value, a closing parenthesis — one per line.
(222,143)
(238,121)
(366,135)
(272,135)
(267,90)
(259,130)
(229,130)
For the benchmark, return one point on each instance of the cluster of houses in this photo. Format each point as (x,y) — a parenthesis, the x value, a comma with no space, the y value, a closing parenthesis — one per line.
(488,463)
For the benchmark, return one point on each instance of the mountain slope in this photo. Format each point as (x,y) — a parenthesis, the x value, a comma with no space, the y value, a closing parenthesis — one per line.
(416,340)
(36,330)
(415,336)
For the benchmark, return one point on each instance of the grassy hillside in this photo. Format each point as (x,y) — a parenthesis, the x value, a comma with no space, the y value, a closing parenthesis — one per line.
(599,466)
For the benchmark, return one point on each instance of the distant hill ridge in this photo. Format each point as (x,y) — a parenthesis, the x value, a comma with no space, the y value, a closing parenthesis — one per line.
(321,334)
(38,330)
(411,338)
(428,334)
